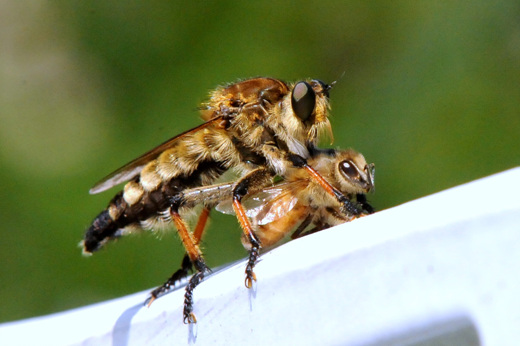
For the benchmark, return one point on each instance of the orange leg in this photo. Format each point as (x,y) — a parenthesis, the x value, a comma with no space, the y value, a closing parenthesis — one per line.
(321,181)
(196,258)
(186,265)
(201,225)
(253,181)
(187,239)
(348,207)
(255,244)
(193,257)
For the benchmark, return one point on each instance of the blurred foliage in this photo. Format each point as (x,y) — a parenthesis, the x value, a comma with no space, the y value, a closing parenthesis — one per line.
(429,91)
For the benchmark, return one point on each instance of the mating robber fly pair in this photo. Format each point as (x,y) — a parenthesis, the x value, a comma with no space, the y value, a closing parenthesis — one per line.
(265,132)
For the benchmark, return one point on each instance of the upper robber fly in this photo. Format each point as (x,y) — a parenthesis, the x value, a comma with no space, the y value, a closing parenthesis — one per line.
(261,126)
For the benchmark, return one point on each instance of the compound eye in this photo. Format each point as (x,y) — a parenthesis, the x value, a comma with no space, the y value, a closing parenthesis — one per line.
(303,100)
(348,168)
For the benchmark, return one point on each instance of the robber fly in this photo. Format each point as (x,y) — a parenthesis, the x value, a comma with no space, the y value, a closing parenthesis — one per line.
(258,127)
(295,206)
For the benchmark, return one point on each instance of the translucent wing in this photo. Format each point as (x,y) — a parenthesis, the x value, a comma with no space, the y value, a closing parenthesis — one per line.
(250,203)
(275,209)
(270,204)
(133,168)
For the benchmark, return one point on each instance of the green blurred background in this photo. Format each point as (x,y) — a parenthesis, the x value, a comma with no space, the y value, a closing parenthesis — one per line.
(429,91)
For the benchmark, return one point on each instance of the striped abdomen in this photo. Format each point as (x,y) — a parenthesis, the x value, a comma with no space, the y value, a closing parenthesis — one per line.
(146,212)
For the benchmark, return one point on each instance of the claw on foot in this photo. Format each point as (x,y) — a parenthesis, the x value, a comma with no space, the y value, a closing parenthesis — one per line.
(249,280)
(151,300)
(190,318)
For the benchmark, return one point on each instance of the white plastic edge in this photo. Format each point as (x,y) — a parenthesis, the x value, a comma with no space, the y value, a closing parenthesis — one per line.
(443,268)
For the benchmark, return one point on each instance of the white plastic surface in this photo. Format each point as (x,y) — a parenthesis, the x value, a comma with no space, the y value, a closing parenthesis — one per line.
(443,269)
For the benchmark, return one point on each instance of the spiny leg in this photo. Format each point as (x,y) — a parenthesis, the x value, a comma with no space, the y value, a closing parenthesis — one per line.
(186,265)
(195,280)
(198,232)
(250,236)
(298,232)
(254,252)
(195,256)
(362,199)
(315,229)
(253,181)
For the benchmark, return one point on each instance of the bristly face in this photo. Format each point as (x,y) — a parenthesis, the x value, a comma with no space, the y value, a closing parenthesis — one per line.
(297,114)
(305,114)
(310,102)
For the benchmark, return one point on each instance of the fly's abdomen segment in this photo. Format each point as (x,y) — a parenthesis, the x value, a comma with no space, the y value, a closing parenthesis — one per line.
(137,209)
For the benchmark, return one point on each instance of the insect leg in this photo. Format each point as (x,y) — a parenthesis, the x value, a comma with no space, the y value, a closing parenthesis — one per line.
(201,224)
(314,230)
(362,199)
(208,196)
(298,232)
(253,181)
(195,256)
(186,265)
(348,208)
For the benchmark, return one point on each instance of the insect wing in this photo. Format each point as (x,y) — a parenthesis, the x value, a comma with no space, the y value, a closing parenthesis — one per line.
(275,202)
(273,209)
(133,168)
(252,204)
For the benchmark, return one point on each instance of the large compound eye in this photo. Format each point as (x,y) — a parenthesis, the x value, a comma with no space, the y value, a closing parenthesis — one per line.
(303,100)
(348,168)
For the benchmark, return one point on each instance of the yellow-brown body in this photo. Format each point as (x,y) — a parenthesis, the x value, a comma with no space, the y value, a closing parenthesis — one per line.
(299,201)
(249,124)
